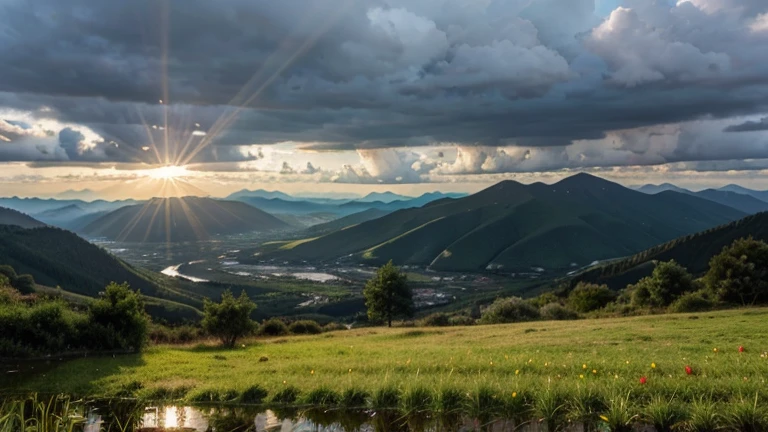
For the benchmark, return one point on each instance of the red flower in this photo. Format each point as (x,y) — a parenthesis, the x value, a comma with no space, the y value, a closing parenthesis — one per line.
(741,349)
(688,370)
(643,380)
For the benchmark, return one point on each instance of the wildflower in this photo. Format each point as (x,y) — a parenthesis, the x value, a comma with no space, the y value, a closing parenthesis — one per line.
(581,376)
(741,349)
(643,380)
(491,363)
(514,395)
(616,376)
(517,372)
(627,361)
(350,371)
(284,382)
(584,366)
(506,357)
(312,372)
(653,365)
(714,350)
(688,370)
(243,345)
(594,371)
(603,418)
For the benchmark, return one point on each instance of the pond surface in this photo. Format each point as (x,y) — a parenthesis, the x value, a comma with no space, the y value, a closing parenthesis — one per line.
(245,419)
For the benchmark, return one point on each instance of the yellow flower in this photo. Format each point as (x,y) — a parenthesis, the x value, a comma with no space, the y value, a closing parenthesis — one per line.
(491,363)
(350,371)
(653,365)
(312,372)
(584,366)
(714,350)
(517,372)
(615,377)
(594,371)
(284,382)
(627,361)
(604,418)
(581,376)
(514,394)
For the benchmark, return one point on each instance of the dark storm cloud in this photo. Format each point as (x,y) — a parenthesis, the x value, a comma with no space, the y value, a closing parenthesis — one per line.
(371,74)
(750,126)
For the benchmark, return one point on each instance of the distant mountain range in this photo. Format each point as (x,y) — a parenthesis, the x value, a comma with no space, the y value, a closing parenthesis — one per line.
(34,206)
(16,218)
(743,199)
(692,252)
(181,219)
(82,194)
(515,227)
(277,202)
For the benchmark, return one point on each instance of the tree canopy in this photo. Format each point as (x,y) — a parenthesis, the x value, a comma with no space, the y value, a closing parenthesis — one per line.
(387,295)
(118,318)
(230,319)
(666,284)
(739,274)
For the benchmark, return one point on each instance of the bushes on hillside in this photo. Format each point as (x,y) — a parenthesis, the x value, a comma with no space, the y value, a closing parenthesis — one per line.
(25,283)
(116,321)
(666,284)
(557,312)
(438,319)
(273,327)
(305,327)
(509,310)
(587,297)
(692,302)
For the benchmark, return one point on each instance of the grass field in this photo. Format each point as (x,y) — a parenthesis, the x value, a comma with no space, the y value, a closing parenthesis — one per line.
(564,361)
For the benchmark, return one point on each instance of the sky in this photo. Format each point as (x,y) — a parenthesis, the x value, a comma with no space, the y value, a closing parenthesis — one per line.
(353,96)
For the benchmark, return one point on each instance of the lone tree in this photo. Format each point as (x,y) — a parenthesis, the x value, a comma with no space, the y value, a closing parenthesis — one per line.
(739,274)
(666,284)
(387,295)
(118,318)
(229,319)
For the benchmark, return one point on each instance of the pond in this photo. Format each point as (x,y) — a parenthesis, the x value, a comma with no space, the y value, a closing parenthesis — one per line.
(131,415)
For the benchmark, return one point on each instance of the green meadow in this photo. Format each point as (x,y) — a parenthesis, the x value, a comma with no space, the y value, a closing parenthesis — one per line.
(607,355)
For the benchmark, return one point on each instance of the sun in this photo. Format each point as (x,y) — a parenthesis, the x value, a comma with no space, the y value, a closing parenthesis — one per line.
(169,172)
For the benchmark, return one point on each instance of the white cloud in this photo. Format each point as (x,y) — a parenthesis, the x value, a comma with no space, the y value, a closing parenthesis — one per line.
(639,53)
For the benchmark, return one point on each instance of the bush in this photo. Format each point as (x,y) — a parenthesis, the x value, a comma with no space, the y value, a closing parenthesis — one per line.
(739,274)
(334,326)
(462,320)
(439,319)
(161,334)
(230,319)
(557,312)
(253,395)
(509,310)
(25,284)
(692,302)
(118,320)
(273,327)
(587,297)
(668,281)
(305,327)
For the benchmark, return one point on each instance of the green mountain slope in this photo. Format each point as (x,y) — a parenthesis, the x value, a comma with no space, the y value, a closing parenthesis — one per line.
(513,227)
(746,203)
(55,257)
(181,219)
(13,217)
(693,252)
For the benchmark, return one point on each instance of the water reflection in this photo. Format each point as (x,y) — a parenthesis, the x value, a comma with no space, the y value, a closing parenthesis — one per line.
(246,419)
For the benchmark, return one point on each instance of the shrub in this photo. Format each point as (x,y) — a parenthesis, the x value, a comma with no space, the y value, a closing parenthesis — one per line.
(509,310)
(557,312)
(161,334)
(25,284)
(118,320)
(305,327)
(692,302)
(462,320)
(334,326)
(668,281)
(288,395)
(439,319)
(273,327)
(587,297)
(739,274)
(230,319)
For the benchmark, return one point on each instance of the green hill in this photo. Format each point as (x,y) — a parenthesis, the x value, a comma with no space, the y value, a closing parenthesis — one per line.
(55,257)
(513,227)
(693,252)
(181,219)
(13,217)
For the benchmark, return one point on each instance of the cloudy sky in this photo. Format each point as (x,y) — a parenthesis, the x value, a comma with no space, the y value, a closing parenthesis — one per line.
(351,96)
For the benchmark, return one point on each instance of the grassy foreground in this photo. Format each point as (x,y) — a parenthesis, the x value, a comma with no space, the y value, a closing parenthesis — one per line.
(605,357)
